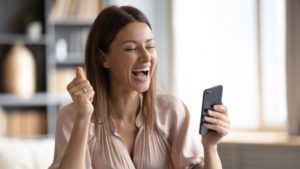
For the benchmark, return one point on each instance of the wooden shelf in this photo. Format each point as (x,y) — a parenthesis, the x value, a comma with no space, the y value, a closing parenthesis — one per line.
(73,59)
(13,29)
(39,99)
(72,23)
(59,99)
(13,38)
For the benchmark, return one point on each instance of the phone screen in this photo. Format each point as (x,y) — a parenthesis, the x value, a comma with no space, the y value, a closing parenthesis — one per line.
(211,97)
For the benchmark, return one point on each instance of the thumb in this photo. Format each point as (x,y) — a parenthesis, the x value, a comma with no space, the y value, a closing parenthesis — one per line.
(79,72)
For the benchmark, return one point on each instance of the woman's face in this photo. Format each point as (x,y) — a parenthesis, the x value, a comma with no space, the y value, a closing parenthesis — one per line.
(131,60)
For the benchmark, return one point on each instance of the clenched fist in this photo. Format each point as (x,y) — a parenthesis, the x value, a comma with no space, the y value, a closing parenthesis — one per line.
(82,94)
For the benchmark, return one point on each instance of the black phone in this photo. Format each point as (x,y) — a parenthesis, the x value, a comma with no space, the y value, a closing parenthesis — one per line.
(211,97)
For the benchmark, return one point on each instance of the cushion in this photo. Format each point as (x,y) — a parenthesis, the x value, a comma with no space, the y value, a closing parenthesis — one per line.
(26,153)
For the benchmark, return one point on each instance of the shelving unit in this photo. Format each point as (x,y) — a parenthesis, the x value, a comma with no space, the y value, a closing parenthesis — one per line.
(39,99)
(10,39)
(52,74)
(74,34)
(23,115)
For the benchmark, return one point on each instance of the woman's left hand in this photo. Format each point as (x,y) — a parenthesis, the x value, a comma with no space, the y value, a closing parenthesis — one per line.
(218,121)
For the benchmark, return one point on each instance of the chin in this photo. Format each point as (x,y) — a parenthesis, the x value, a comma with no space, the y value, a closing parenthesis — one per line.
(141,86)
(143,89)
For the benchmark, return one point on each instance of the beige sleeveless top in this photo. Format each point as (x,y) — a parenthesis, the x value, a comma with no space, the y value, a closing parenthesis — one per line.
(172,145)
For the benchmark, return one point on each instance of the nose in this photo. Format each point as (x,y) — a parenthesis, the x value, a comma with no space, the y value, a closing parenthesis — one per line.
(145,55)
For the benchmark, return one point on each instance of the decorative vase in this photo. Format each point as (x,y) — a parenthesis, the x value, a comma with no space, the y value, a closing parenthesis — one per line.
(19,71)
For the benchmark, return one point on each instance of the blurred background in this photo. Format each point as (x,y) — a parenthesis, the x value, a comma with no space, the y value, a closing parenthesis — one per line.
(251,47)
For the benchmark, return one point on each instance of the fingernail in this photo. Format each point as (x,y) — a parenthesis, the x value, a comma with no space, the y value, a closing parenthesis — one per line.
(209,112)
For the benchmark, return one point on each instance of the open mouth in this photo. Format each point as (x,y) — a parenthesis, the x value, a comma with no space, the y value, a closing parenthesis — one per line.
(141,72)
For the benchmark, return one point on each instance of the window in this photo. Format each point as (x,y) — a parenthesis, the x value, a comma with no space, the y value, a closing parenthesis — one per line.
(239,44)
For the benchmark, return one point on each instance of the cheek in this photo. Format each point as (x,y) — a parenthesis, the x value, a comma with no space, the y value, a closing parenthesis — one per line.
(154,62)
(124,68)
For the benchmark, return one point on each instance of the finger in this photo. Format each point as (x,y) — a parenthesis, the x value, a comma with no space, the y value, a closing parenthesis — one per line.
(79,72)
(215,121)
(79,86)
(218,115)
(91,94)
(80,96)
(89,91)
(221,130)
(78,77)
(221,108)
(73,83)
(85,91)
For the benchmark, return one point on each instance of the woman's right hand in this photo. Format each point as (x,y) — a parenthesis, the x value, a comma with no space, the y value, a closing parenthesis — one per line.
(82,94)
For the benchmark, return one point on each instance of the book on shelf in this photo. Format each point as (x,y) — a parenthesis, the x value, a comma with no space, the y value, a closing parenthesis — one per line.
(25,124)
(3,123)
(81,10)
(35,123)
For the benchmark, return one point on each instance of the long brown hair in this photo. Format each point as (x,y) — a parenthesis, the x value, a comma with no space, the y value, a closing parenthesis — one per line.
(103,31)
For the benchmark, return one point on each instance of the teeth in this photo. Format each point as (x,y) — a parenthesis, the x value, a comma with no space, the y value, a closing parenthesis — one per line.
(142,69)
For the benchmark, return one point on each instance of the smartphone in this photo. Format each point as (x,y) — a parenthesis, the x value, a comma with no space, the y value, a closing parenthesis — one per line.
(211,97)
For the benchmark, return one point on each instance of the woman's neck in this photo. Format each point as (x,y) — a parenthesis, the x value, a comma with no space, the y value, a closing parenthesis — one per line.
(124,107)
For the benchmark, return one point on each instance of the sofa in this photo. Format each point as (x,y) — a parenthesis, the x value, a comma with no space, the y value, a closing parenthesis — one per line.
(26,153)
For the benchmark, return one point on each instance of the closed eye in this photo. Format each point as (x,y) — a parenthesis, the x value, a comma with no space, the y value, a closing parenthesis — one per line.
(130,49)
(150,47)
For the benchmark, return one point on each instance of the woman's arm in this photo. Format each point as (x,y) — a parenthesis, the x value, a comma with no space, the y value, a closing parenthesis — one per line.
(211,158)
(74,156)
(82,95)
(219,122)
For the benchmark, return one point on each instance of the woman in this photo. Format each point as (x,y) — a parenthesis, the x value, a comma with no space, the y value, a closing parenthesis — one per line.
(116,119)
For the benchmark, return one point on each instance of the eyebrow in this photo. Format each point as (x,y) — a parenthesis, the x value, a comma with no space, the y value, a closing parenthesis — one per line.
(133,41)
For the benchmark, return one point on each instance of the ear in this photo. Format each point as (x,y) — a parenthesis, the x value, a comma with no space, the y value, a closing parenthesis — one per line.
(104,60)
